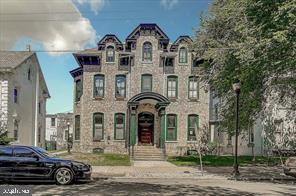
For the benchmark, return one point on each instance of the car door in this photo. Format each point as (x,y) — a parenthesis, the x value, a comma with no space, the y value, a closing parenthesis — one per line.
(28,163)
(6,162)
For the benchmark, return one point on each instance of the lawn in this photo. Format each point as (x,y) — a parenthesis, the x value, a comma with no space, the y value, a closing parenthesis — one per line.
(96,159)
(216,161)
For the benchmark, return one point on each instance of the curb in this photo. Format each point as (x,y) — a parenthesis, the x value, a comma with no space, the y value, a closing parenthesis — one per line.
(261,179)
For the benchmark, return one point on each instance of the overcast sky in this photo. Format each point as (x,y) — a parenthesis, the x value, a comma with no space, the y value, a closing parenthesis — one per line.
(51,25)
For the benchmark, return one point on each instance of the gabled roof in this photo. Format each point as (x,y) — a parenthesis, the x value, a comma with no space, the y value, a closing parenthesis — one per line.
(185,38)
(148,26)
(12,59)
(110,38)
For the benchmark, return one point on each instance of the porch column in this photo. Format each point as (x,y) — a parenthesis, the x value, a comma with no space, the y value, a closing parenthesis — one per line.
(162,127)
(133,128)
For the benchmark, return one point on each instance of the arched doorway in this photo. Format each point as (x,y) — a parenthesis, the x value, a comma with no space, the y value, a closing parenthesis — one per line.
(146,128)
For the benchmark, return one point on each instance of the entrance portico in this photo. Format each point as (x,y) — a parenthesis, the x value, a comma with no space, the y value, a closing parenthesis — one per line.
(147,119)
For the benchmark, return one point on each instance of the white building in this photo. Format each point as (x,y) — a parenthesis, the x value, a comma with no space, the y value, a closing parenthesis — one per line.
(23,95)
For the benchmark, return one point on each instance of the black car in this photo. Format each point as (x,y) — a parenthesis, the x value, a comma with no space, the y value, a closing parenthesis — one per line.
(33,163)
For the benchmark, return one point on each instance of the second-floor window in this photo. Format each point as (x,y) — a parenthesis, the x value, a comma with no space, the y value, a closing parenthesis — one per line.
(29,74)
(120,86)
(172,87)
(53,122)
(15,95)
(183,55)
(146,83)
(99,81)
(110,54)
(147,51)
(193,88)
(78,90)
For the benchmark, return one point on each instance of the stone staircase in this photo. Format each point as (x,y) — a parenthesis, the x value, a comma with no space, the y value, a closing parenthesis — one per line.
(148,153)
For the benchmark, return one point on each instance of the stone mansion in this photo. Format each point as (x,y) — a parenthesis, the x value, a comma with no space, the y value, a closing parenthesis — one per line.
(144,91)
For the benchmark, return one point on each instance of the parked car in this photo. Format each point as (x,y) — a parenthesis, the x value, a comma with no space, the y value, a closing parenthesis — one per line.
(290,167)
(28,163)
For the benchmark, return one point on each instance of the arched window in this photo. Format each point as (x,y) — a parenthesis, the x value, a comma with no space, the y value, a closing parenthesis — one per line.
(119,126)
(110,54)
(193,88)
(172,87)
(99,83)
(98,126)
(171,134)
(183,55)
(78,90)
(146,83)
(120,85)
(147,51)
(193,124)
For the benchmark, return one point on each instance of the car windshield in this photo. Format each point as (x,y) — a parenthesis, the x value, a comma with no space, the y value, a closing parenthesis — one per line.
(44,152)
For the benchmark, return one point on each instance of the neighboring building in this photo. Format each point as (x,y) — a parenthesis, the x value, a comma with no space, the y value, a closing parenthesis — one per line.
(57,128)
(249,142)
(23,95)
(145,91)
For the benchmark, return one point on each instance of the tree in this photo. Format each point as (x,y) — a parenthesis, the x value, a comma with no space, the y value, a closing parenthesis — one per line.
(253,41)
(202,142)
(4,140)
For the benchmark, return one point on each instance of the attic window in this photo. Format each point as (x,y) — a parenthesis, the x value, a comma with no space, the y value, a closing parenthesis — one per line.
(110,54)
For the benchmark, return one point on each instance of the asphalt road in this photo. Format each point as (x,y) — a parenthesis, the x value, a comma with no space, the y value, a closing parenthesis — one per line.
(164,187)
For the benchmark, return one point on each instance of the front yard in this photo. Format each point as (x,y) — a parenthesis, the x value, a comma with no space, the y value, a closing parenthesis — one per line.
(96,159)
(219,161)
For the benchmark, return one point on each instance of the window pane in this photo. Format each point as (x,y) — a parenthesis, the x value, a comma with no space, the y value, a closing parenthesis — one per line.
(99,86)
(171,127)
(146,83)
(77,127)
(5,151)
(120,86)
(147,52)
(23,152)
(119,126)
(98,127)
(193,124)
(110,54)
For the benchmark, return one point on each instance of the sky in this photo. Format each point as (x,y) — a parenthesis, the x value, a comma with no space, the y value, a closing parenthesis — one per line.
(71,25)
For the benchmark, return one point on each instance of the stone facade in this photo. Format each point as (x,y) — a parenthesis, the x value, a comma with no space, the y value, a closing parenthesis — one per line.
(155,102)
(23,97)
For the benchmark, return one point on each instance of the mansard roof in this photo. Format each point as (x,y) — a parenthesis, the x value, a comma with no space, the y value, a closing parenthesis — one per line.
(110,38)
(147,29)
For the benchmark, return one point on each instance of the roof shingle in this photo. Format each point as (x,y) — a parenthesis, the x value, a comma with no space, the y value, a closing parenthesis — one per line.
(11,59)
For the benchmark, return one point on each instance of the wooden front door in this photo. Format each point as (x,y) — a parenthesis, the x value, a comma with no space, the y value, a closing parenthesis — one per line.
(145,128)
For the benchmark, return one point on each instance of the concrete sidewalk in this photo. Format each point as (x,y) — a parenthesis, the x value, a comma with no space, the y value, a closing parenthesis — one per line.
(150,169)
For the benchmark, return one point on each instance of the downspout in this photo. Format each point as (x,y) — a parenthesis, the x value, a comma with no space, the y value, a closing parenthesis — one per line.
(36,108)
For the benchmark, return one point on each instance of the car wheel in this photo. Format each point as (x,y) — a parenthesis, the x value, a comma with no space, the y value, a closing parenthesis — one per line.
(63,176)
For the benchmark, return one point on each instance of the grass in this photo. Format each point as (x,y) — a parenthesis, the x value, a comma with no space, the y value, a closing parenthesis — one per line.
(216,161)
(96,159)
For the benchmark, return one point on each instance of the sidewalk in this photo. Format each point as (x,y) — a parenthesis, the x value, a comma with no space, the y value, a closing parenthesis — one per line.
(253,173)
(150,169)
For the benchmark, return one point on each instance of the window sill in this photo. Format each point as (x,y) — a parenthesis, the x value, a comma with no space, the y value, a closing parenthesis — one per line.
(193,100)
(183,64)
(192,141)
(110,63)
(77,102)
(120,98)
(173,99)
(175,141)
(118,140)
(99,140)
(98,98)
(147,62)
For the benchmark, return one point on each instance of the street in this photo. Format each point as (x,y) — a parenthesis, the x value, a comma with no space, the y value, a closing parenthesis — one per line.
(126,186)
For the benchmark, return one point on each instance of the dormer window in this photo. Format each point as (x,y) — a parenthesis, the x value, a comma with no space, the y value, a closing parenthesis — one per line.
(110,54)
(183,55)
(147,51)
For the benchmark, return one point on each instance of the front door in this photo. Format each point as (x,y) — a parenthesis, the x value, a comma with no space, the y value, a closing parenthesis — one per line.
(145,128)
